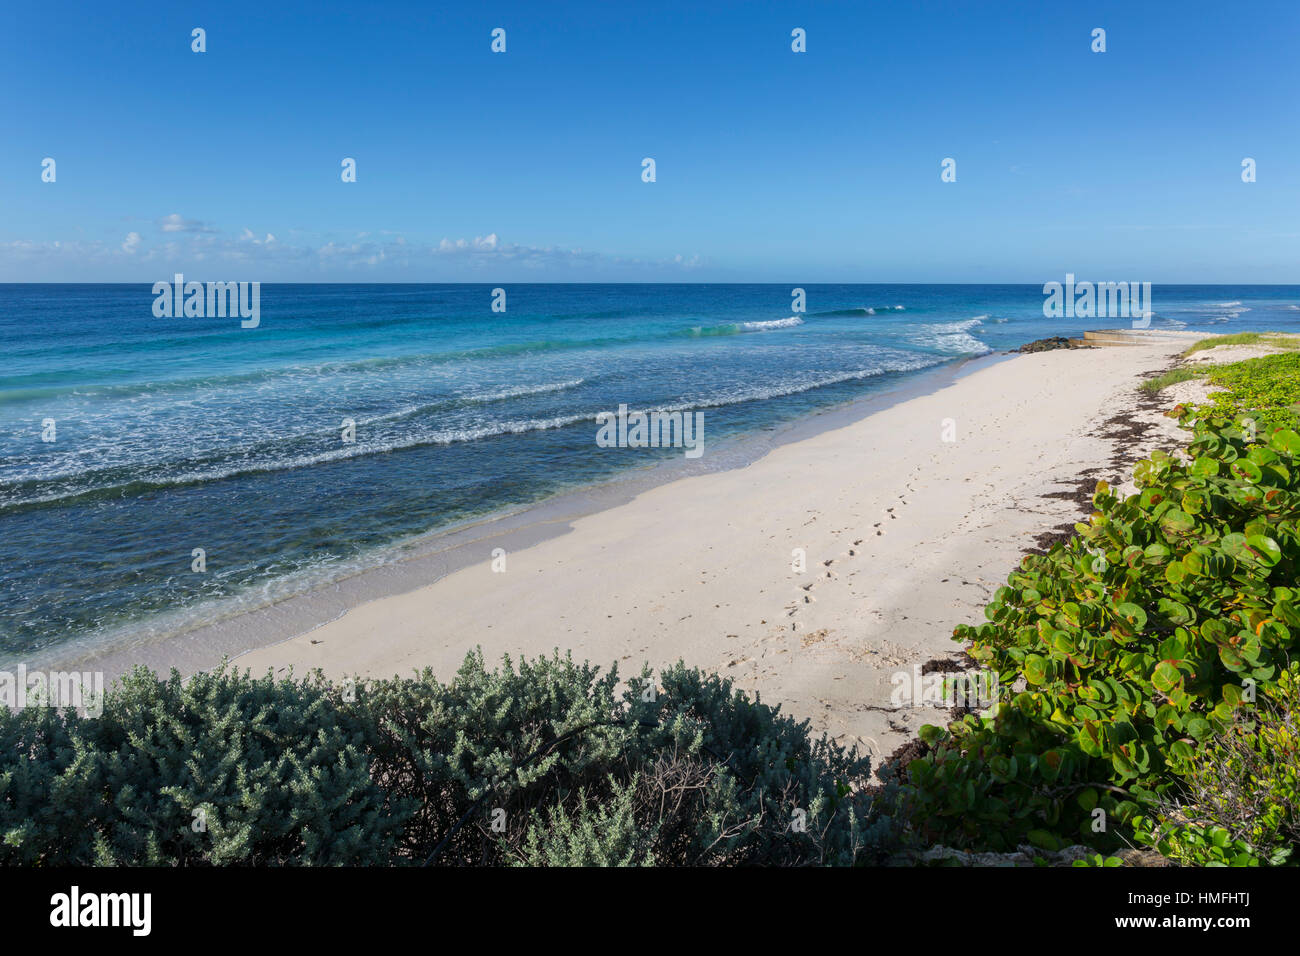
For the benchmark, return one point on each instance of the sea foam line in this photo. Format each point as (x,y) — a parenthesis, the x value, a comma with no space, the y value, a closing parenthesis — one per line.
(147,482)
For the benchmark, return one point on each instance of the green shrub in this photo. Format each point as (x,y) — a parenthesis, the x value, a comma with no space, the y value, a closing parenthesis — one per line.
(712,777)
(218,769)
(1241,799)
(49,782)
(1123,652)
(227,769)
(606,834)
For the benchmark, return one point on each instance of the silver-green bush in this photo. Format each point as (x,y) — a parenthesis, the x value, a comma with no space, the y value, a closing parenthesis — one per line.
(543,763)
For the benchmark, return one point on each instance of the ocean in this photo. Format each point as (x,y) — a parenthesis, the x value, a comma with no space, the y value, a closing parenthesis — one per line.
(132,441)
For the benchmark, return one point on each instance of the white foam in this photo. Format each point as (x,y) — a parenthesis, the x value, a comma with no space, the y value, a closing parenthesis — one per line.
(522,390)
(952,337)
(772,324)
(795,388)
(249,466)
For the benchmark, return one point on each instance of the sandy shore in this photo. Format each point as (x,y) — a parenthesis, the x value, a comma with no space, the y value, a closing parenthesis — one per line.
(905,533)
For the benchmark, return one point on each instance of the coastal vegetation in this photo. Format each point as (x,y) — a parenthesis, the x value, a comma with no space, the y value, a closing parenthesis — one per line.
(1180,373)
(1275,340)
(1148,663)
(1269,386)
(543,762)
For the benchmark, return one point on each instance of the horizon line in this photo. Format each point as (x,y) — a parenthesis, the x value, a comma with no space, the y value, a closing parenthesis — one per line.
(1206,285)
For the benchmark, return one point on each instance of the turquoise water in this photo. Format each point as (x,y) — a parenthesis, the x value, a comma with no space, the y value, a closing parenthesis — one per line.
(172,434)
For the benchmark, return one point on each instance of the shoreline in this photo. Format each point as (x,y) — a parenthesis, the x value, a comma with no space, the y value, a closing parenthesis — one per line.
(403,566)
(905,536)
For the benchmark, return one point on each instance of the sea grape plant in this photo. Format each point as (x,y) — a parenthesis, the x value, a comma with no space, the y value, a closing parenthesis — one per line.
(1122,652)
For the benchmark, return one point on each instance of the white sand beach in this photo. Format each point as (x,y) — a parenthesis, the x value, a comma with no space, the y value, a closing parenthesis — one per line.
(906,535)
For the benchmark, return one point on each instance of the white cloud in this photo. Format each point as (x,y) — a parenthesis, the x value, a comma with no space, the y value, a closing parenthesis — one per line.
(391,258)
(486,243)
(178,223)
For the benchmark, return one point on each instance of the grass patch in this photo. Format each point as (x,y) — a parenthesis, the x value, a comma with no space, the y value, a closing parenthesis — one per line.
(1270,339)
(1241,338)
(1172,377)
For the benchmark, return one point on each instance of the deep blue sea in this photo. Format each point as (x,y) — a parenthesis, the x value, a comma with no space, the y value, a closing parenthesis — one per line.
(172,434)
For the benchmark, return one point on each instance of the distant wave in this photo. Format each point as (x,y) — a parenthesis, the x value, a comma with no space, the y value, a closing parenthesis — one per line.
(322,370)
(864,310)
(772,324)
(736,328)
(1220,311)
(314,372)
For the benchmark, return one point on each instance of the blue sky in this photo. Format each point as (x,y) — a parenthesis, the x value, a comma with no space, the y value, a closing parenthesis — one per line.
(771,165)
